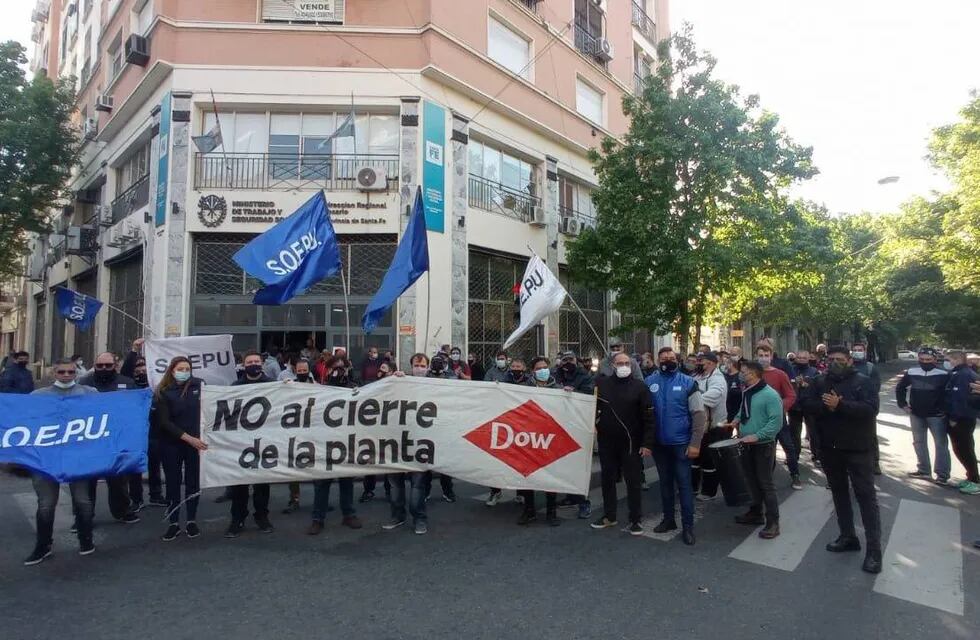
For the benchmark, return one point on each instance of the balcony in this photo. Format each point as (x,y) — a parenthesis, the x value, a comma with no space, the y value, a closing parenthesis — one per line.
(288,171)
(588,220)
(531,5)
(130,200)
(644,24)
(587,43)
(493,196)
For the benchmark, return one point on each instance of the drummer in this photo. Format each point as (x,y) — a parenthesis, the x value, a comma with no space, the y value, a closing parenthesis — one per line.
(758,421)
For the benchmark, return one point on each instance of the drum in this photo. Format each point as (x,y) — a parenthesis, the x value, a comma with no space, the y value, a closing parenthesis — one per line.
(727,455)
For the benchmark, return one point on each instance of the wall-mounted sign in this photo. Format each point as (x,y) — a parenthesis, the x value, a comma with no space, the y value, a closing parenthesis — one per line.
(434,166)
(163,162)
(303,10)
(214,210)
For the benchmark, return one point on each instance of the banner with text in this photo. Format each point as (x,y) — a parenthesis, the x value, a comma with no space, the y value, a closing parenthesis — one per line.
(491,434)
(212,359)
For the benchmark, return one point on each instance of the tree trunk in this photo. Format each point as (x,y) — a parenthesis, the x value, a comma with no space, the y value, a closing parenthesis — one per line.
(683,327)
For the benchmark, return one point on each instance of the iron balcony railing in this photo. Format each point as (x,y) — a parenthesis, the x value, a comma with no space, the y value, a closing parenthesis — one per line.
(532,5)
(644,24)
(586,42)
(130,200)
(493,196)
(287,171)
(587,219)
(638,83)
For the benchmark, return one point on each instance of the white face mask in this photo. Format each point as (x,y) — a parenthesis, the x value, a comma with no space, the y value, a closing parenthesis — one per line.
(624,371)
(947,365)
(420,371)
(64,385)
(455,357)
(80,363)
(501,363)
(858,355)
(182,376)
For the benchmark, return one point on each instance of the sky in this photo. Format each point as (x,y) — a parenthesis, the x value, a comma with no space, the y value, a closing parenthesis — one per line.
(861,81)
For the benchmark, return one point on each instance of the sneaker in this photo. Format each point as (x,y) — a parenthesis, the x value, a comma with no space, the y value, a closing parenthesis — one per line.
(519,499)
(129,518)
(567,502)
(421,528)
(527,518)
(603,523)
(86,547)
(665,526)
(136,506)
(39,555)
(234,529)
(351,521)
(172,532)
(493,499)
(635,529)
(315,528)
(703,498)
(394,523)
(970,488)
(584,510)
(942,482)
(552,520)
(264,525)
(367,496)
(157,501)
(449,497)
(192,529)
(817,464)
(796,484)
(291,507)
(919,474)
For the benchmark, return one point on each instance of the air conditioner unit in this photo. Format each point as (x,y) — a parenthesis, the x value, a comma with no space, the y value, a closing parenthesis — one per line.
(371,179)
(104,213)
(137,50)
(570,226)
(103,103)
(604,50)
(537,216)
(90,129)
(81,241)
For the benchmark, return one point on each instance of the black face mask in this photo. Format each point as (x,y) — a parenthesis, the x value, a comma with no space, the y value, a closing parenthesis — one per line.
(140,379)
(838,369)
(438,366)
(928,367)
(569,368)
(302,377)
(104,375)
(517,375)
(668,367)
(812,362)
(22,365)
(253,370)
(802,366)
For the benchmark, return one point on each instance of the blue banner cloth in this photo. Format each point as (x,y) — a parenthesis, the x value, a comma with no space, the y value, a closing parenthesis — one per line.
(77,307)
(294,255)
(75,437)
(411,261)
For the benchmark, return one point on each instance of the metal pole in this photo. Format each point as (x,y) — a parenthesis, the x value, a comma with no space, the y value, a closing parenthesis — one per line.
(428,307)
(343,284)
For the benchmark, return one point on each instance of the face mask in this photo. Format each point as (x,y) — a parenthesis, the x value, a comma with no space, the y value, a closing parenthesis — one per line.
(140,378)
(471,359)
(23,365)
(372,356)
(182,376)
(103,375)
(542,375)
(647,364)
(80,363)
(438,366)
(501,363)
(699,369)
(668,367)
(455,357)
(802,366)
(947,365)
(517,375)
(812,362)
(624,371)
(302,377)
(859,355)
(741,377)
(253,370)
(420,371)
(839,369)
(927,366)
(569,368)
(64,385)
(764,361)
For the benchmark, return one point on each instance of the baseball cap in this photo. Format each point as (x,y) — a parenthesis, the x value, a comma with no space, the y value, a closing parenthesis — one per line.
(928,351)
(567,355)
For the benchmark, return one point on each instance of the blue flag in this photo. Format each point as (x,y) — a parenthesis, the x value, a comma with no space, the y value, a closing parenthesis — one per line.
(411,261)
(294,255)
(77,307)
(74,437)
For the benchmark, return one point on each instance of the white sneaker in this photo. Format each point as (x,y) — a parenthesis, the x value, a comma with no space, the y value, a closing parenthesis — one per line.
(703,498)
(493,499)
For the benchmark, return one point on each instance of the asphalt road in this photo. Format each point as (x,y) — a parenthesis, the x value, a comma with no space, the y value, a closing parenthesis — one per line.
(479,575)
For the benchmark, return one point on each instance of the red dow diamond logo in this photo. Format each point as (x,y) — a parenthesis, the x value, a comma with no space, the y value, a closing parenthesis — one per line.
(525,438)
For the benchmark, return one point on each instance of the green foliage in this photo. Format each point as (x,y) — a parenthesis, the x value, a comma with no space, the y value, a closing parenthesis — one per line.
(38,149)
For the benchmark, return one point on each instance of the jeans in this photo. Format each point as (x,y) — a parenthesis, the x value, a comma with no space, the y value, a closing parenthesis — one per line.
(445,482)
(615,458)
(758,460)
(370,482)
(550,501)
(858,467)
(47,492)
(239,502)
(792,453)
(181,463)
(936,425)
(674,468)
(961,437)
(321,496)
(153,465)
(420,482)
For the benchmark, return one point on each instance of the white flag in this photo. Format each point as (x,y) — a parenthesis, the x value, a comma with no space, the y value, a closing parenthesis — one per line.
(212,359)
(541,295)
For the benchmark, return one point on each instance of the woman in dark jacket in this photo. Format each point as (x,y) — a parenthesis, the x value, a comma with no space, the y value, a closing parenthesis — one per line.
(177,404)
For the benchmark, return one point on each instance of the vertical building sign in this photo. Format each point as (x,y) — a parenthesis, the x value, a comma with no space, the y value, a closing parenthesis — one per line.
(433,166)
(163,164)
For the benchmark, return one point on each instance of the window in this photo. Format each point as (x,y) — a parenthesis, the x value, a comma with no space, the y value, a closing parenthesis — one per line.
(575,199)
(588,101)
(588,17)
(134,169)
(497,166)
(509,49)
(115,56)
(143,17)
(125,294)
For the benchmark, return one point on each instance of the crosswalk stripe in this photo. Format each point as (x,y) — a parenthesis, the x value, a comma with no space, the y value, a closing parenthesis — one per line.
(923,562)
(801,517)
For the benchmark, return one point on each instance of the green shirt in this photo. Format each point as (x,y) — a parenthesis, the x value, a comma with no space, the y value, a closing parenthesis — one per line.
(765,415)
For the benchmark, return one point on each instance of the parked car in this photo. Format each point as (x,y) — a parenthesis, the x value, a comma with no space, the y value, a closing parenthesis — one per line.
(905,354)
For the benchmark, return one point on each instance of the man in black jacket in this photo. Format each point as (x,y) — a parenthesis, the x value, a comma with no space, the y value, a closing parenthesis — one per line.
(624,422)
(571,376)
(260,492)
(925,386)
(135,365)
(104,378)
(844,404)
(859,352)
(962,419)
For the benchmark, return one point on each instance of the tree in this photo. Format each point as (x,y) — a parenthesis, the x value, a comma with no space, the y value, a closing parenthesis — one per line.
(38,149)
(690,202)
(956,149)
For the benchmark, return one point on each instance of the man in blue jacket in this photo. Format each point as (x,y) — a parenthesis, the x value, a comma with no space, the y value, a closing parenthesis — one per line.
(961,417)
(16,378)
(681,422)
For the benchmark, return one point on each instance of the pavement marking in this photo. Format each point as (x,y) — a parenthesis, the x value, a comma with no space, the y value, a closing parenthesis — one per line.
(923,561)
(801,516)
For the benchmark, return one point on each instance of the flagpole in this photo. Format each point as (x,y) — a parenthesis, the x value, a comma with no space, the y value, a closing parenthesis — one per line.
(428,307)
(114,308)
(343,283)
(224,152)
